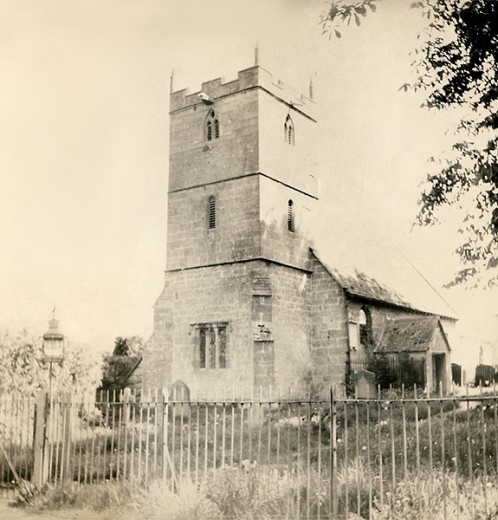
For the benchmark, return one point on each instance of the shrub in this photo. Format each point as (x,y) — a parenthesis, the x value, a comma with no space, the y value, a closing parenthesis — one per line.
(439,497)
(189,501)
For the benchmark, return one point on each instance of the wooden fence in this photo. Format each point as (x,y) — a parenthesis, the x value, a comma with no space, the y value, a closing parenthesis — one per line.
(323,458)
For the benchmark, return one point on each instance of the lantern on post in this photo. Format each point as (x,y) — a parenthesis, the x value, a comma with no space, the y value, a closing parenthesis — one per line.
(53,347)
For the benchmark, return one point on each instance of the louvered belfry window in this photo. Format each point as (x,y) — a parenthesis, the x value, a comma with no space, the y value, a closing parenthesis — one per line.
(290,216)
(211,212)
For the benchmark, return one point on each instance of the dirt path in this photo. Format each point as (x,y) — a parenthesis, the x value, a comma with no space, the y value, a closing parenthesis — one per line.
(15,513)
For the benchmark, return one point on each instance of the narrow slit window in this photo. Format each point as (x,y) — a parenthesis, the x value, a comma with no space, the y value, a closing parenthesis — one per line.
(290,216)
(216,129)
(211,213)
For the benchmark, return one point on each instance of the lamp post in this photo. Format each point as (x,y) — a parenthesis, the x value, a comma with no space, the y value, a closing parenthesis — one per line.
(53,348)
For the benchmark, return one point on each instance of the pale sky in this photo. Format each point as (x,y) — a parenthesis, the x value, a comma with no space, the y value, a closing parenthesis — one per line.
(84,146)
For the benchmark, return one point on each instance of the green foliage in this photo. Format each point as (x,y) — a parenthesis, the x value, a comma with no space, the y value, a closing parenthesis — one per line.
(21,368)
(263,493)
(116,369)
(118,366)
(457,66)
(130,346)
(341,13)
(23,372)
(404,370)
(98,498)
(26,494)
(439,496)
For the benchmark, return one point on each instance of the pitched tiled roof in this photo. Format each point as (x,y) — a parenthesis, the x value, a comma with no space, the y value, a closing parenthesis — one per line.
(386,271)
(360,284)
(408,334)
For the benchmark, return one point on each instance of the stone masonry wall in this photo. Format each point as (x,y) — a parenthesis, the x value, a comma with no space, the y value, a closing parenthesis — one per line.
(220,294)
(277,242)
(266,309)
(236,235)
(194,160)
(329,335)
(290,326)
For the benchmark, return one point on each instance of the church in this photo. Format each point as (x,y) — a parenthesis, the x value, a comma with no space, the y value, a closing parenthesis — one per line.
(250,303)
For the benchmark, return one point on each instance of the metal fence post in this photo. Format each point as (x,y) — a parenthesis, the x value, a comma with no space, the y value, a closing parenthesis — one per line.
(66,466)
(40,445)
(333,455)
(160,411)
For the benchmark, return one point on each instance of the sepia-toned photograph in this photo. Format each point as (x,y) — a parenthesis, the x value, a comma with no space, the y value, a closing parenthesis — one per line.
(250,259)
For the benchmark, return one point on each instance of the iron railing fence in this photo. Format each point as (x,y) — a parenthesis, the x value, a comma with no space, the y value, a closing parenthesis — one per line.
(389,456)
(16,439)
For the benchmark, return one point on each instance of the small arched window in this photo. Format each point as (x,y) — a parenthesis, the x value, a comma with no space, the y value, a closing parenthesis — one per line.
(289,137)
(365,326)
(211,212)
(290,216)
(212,126)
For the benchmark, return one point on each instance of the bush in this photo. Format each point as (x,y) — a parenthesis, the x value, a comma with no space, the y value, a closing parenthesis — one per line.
(439,497)
(99,497)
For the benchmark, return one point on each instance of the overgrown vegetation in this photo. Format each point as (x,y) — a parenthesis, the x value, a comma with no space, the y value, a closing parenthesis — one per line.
(404,370)
(23,373)
(264,493)
(118,366)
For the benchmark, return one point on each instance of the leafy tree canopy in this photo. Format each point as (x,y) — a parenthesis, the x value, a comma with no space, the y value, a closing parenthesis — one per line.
(456,66)
(130,346)
(118,366)
(23,371)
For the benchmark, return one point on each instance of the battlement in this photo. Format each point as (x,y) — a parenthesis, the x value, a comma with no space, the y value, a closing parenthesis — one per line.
(250,78)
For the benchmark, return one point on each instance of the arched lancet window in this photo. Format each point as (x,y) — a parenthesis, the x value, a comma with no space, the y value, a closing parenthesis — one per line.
(212,126)
(290,216)
(289,131)
(211,212)
(365,326)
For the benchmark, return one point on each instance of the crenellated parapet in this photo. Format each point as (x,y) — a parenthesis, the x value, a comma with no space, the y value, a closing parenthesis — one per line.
(253,77)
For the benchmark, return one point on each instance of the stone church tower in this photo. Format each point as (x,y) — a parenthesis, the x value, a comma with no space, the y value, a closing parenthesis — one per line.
(235,309)
(249,302)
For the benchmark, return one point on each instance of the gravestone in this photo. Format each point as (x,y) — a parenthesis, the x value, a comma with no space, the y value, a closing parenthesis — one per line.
(364,382)
(179,398)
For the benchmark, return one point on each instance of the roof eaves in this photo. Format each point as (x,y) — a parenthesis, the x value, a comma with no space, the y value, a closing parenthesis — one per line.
(445,336)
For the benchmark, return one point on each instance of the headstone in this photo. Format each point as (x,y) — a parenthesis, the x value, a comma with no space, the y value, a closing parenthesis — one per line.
(365,384)
(179,398)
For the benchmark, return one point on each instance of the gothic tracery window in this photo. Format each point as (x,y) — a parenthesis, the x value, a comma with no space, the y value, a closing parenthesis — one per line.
(212,345)
(212,126)
(289,136)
